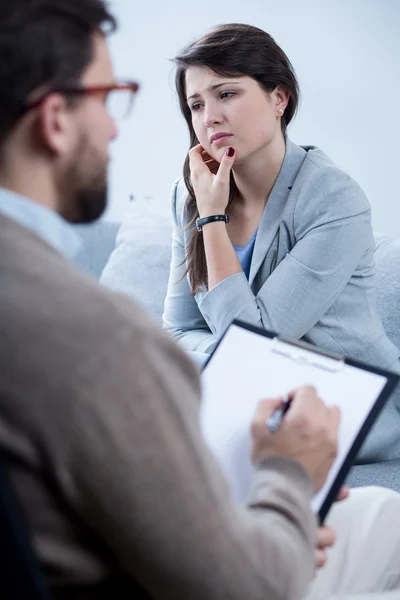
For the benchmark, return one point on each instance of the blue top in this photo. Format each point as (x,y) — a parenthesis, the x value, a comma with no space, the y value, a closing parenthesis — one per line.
(245,253)
(43,221)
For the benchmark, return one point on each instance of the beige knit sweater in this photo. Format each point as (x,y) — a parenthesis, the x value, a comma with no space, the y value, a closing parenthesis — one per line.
(99,423)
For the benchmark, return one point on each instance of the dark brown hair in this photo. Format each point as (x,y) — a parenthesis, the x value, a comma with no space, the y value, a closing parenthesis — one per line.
(229,50)
(44,44)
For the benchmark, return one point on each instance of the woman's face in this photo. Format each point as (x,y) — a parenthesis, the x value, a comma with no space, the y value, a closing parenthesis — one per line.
(232,111)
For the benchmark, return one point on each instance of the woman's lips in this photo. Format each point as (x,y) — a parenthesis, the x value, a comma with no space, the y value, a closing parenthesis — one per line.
(220,140)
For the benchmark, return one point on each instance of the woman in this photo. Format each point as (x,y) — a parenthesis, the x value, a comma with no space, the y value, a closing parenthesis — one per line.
(266,231)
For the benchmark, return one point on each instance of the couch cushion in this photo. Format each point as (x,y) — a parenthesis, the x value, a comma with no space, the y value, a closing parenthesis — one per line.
(385,474)
(139,264)
(98,241)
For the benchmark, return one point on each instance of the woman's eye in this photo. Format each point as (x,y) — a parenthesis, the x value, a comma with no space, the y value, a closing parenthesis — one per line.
(196,106)
(227,94)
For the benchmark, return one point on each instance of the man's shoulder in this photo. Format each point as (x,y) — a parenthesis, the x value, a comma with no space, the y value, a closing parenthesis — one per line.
(75,334)
(45,294)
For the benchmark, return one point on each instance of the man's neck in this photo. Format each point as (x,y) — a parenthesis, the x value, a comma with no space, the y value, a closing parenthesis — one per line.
(32,184)
(24,205)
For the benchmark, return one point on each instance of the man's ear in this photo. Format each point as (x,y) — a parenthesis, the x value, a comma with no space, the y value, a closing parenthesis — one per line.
(53,122)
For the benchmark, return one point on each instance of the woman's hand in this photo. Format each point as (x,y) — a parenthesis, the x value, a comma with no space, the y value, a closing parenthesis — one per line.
(210,180)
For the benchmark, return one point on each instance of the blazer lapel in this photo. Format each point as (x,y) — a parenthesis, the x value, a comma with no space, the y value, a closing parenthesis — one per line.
(272,215)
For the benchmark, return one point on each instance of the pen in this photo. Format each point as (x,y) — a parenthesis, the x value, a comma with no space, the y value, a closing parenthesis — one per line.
(275,420)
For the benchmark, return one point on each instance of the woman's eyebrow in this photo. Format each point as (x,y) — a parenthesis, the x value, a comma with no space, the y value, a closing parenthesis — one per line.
(212,88)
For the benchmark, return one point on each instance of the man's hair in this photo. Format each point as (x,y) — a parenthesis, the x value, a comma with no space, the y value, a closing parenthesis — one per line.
(44,44)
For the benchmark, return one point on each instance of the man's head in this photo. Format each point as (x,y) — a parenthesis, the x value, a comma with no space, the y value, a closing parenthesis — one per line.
(55,127)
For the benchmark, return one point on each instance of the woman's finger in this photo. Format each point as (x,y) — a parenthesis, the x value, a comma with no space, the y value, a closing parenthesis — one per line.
(205,156)
(210,160)
(226,165)
(212,165)
(196,161)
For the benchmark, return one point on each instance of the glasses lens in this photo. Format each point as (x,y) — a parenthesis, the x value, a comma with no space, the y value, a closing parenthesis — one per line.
(119,103)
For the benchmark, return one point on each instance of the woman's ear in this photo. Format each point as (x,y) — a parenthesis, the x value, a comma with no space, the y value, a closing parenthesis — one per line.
(281,98)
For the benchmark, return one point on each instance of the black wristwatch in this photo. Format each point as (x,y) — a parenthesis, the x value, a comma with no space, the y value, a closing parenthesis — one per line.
(211,219)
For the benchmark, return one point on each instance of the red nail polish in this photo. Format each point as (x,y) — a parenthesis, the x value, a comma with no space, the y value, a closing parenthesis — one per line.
(230,152)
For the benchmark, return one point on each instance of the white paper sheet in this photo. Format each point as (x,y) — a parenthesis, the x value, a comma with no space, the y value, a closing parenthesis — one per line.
(246,368)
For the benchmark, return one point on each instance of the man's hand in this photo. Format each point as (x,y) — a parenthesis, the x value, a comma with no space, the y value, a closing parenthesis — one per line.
(326,536)
(308,433)
(325,539)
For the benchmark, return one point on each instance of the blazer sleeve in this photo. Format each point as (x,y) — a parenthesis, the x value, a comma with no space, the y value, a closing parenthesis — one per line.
(332,228)
(182,317)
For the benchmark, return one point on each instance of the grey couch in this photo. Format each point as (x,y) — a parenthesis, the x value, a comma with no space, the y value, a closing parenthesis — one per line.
(137,256)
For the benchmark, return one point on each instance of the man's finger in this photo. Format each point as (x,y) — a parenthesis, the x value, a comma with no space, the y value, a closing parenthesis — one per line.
(266,407)
(343,494)
(325,537)
(335,415)
(320,558)
(304,399)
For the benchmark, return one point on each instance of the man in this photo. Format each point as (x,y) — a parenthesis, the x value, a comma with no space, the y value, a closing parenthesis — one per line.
(99,409)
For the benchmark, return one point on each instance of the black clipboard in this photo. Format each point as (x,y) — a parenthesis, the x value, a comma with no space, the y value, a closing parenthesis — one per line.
(293,348)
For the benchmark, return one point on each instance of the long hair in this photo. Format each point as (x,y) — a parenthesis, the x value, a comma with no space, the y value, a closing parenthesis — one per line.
(228,50)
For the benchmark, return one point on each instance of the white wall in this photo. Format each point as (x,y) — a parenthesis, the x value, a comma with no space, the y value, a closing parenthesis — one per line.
(345,52)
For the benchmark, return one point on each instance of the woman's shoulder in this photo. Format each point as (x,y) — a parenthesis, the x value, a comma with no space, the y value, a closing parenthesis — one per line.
(324,188)
(324,175)
(179,195)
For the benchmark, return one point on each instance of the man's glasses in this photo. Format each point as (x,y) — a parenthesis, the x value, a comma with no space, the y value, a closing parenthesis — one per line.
(118,97)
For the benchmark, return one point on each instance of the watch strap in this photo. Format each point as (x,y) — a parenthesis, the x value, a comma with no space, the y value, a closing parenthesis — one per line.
(211,219)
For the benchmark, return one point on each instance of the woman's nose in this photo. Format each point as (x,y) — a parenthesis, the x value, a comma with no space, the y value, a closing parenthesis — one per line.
(212,116)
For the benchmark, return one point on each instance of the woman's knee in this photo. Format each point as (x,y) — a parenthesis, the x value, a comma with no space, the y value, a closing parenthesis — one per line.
(381,504)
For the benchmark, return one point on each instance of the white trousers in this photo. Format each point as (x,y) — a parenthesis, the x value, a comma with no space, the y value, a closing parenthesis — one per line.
(364,563)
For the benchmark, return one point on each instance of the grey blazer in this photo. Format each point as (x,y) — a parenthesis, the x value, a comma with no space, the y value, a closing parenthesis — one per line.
(312,272)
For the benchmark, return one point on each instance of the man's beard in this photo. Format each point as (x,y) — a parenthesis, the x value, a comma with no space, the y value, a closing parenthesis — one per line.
(85,185)
(91,202)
